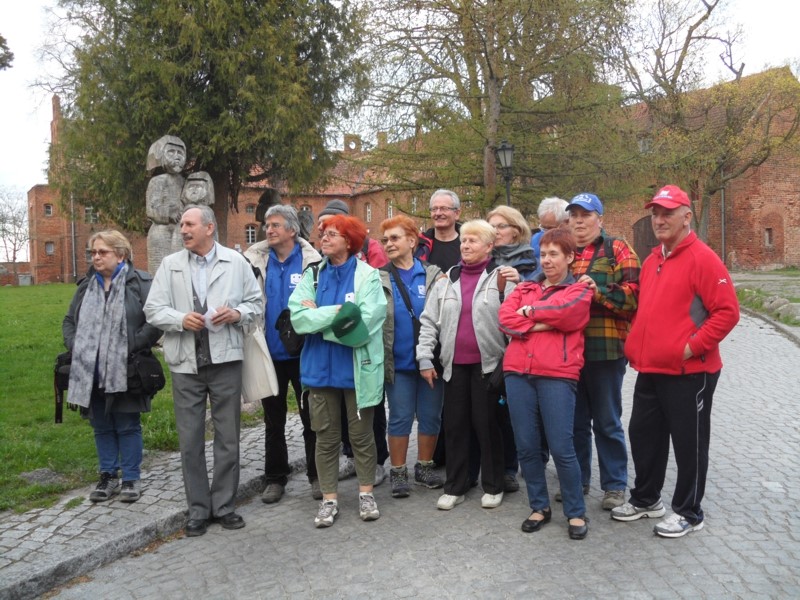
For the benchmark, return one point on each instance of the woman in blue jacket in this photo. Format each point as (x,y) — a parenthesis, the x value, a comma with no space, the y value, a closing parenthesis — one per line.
(341,310)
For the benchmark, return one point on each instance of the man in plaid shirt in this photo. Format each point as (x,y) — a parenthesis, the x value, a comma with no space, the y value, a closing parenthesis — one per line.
(611,268)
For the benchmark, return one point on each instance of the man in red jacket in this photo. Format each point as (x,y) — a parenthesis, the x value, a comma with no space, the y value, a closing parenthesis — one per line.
(687,305)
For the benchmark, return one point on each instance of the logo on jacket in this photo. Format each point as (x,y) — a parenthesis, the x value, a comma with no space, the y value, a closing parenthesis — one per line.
(724,280)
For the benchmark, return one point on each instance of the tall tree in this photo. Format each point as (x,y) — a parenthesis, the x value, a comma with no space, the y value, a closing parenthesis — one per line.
(14,233)
(6,56)
(458,76)
(704,138)
(251,86)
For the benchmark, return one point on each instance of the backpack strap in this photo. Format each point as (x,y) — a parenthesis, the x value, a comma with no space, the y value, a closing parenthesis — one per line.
(608,251)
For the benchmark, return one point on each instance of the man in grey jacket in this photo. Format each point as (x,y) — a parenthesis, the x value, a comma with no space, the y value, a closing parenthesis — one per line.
(201,298)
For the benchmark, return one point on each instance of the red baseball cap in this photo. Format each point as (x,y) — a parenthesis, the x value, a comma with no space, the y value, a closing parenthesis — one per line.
(669,196)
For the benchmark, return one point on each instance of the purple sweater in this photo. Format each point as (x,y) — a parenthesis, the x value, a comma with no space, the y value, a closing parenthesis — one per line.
(467,351)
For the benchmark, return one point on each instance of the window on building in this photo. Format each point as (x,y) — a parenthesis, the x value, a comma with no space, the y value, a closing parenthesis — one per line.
(250,234)
(89,214)
(305,207)
(368,212)
(49,248)
(48,210)
(389,210)
(769,239)
(250,209)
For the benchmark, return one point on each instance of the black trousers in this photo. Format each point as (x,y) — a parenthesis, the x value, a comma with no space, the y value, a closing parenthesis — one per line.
(467,407)
(676,407)
(276,455)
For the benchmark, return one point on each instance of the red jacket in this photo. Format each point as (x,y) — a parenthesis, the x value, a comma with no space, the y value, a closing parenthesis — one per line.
(554,353)
(685,298)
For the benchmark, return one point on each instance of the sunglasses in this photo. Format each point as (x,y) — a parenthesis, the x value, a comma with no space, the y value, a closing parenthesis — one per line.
(392,238)
(101,252)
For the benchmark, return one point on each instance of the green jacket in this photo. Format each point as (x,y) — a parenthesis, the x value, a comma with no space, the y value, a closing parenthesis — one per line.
(367,359)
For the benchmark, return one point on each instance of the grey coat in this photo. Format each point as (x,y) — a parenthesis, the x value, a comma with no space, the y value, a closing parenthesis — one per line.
(141,335)
(439,321)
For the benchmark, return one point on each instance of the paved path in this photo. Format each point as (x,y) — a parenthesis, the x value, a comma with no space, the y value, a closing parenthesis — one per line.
(750,547)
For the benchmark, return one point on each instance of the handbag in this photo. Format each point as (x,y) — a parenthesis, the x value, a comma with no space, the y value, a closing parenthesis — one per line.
(495,381)
(145,373)
(291,340)
(61,383)
(258,373)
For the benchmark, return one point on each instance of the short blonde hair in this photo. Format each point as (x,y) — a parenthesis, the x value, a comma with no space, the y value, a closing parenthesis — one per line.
(514,218)
(479,228)
(113,239)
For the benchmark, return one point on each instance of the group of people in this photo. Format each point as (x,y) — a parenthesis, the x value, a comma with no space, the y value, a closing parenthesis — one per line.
(508,347)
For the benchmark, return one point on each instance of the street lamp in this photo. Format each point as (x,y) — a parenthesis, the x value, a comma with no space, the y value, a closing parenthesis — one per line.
(505,156)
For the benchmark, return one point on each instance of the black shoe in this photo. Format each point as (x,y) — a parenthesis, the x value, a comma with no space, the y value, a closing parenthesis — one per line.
(231,521)
(510,483)
(578,532)
(195,527)
(531,525)
(585,493)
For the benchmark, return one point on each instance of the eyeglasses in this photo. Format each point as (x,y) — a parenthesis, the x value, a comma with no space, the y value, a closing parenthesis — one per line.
(101,252)
(438,209)
(329,233)
(502,226)
(392,238)
(272,226)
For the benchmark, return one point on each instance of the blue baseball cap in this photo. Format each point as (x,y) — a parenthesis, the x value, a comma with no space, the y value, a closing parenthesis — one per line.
(587,201)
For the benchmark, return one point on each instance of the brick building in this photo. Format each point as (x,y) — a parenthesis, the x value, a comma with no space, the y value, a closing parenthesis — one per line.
(754,225)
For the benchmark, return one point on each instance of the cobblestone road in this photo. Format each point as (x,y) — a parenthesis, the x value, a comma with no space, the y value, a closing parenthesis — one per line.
(750,547)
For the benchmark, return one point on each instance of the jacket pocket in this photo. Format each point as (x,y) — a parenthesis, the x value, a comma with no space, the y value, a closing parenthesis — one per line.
(173,349)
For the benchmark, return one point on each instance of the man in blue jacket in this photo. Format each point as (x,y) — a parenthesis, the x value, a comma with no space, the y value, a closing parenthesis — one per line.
(281,260)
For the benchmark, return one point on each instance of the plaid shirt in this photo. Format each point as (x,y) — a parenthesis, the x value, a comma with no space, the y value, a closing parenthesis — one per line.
(615,300)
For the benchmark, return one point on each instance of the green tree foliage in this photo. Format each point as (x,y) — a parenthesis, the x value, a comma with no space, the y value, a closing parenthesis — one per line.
(6,56)
(251,86)
(453,78)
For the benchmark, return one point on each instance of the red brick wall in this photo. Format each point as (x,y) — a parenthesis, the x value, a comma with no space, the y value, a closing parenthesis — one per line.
(56,229)
(768,197)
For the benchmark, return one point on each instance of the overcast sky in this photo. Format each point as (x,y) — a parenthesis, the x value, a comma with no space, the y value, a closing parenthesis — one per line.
(25,114)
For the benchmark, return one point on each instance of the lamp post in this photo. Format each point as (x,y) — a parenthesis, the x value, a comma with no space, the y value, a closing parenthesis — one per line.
(505,156)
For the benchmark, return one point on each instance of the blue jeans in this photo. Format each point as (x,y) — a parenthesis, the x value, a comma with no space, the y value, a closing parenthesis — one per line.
(118,439)
(599,409)
(537,401)
(411,395)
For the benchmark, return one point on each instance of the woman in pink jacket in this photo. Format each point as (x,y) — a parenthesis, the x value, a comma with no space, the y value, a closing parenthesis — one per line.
(545,320)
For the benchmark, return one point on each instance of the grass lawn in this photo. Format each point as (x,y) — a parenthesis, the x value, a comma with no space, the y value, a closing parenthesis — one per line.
(30,339)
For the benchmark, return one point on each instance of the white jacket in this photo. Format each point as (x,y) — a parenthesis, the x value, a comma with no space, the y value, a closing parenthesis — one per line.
(230,281)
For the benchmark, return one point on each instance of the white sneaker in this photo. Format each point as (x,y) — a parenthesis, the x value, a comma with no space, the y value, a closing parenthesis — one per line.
(675,526)
(368,508)
(491,500)
(347,468)
(380,475)
(629,512)
(448,502)
(328,509)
